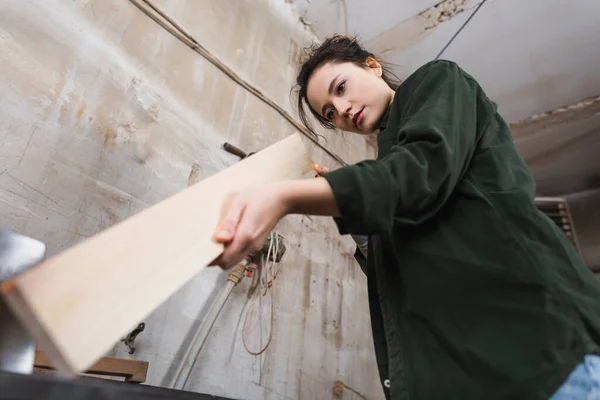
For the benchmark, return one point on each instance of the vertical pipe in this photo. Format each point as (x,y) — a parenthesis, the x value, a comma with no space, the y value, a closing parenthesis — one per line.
(189,359)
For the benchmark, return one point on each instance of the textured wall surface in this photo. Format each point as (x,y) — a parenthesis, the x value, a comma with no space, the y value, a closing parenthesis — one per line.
(104,113)
(585,210)
(562,146)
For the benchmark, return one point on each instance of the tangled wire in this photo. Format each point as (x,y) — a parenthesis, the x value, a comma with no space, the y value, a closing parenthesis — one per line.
(266,273)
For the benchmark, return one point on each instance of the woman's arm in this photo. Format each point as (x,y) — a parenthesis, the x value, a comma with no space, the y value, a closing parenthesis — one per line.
(253,213)
(311,197)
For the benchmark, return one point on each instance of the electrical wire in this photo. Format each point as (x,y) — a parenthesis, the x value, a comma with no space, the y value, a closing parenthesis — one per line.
(177,31)
(359,394)
(459,30)
(266,346)
(267,273)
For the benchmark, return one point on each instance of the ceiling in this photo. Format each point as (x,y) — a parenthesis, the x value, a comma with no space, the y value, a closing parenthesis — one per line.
(530,56)
(561,148)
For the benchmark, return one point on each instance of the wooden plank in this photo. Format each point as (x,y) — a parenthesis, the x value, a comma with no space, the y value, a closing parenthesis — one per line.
(78,303)
(133,371)
(53,372)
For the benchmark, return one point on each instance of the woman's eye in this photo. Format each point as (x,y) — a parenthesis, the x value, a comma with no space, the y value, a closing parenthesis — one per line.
(330,114)
(341,87)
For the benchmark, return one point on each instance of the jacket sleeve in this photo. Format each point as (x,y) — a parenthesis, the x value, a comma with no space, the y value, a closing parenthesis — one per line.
(435,143)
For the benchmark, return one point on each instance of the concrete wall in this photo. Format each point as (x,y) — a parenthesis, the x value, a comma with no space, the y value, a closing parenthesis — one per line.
(561,148)
(585,211)
(104,113)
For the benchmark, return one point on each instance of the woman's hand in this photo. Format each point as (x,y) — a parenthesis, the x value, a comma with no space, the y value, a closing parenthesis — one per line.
(320,170)
(252,214)
(249,218)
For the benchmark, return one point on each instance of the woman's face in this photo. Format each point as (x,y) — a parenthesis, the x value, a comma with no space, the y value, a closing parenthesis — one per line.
(354,99)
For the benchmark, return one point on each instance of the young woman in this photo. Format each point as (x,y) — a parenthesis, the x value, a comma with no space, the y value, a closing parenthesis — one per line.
(474,294)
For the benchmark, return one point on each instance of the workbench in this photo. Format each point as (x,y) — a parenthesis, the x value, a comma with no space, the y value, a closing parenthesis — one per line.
(29,387)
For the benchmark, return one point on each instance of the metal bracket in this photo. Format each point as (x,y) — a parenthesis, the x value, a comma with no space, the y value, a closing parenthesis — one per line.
(130,339)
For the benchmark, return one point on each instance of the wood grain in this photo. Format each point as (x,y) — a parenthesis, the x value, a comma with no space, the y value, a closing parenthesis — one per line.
(78,303)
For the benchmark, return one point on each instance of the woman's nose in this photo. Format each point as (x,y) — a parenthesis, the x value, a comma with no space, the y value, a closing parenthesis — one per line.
(343,107)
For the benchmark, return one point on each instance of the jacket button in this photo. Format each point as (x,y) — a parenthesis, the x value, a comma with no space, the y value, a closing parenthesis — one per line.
(387,383)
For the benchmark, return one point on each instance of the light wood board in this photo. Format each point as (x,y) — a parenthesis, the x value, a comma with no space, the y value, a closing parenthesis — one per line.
(80,302)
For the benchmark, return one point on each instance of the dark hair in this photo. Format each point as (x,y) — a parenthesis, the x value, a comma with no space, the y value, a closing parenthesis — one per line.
(336,49)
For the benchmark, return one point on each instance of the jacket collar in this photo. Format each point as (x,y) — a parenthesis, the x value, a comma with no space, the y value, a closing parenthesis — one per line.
(384,120)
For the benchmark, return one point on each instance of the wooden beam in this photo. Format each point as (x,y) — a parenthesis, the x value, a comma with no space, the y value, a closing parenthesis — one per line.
(53,372)
(133,371)
(80,302)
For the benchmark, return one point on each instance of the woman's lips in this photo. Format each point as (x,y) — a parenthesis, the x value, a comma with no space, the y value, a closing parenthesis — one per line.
(358,118)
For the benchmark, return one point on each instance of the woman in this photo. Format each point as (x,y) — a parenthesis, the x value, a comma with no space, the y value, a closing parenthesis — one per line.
(474,294)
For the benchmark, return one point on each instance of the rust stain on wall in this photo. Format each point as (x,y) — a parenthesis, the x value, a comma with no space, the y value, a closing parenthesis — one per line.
(412,31)
(582,109)
(112,217)
(110,138)
(118,200)
(80,112)
(195,174)
(76,233)
(443,11)
(295,54)
(127,132)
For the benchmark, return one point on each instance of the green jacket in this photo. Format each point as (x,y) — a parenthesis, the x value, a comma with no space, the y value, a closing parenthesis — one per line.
(474,293)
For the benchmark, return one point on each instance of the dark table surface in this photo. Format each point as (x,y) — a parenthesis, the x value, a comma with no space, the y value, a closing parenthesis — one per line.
(38,387)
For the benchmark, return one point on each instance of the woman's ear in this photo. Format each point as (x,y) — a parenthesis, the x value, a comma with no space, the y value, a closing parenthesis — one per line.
(374,66)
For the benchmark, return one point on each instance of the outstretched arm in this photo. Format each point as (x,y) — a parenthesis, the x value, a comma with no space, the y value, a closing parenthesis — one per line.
(255,212)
